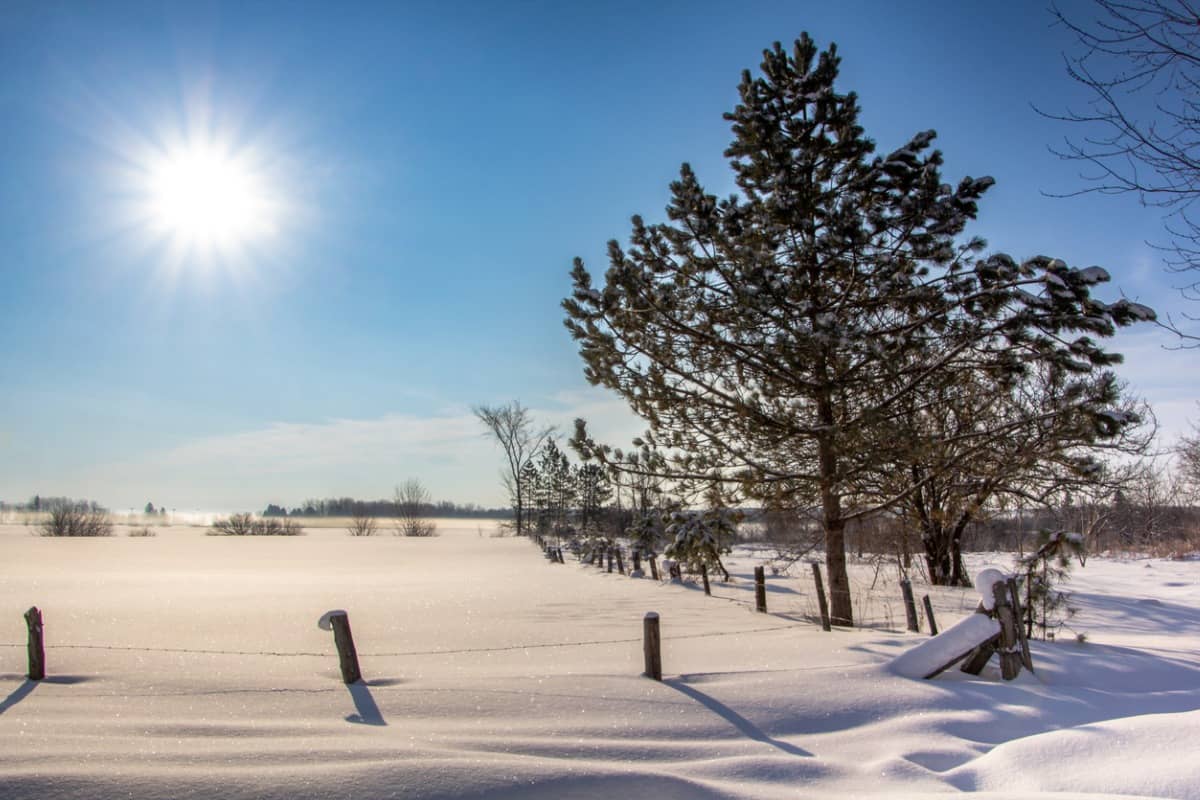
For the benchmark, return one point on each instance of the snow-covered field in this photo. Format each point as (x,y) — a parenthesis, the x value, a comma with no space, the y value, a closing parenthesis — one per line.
(184,665)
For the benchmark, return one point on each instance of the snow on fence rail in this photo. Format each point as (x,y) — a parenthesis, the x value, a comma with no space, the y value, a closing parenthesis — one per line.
(994,629)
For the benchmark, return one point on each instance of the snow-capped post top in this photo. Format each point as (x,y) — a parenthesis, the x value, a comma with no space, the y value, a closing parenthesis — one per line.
(338,621)
(984,581)
(325,623)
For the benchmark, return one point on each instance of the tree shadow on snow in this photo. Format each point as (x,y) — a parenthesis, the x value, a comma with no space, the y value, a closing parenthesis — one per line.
(1137,615)
(748,728)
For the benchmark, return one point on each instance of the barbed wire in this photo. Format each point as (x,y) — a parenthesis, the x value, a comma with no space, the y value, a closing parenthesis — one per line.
(805,617)
(399,654)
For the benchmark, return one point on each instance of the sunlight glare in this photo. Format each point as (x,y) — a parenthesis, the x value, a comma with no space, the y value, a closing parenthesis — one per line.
(203,198)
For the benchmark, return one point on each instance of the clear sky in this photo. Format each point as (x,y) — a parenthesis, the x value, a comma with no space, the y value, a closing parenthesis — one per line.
(410,183)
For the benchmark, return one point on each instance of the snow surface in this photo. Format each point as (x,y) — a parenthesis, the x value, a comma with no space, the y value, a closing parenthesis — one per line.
(189,666)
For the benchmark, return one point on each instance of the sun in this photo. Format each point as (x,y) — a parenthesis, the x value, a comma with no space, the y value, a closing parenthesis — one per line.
(204,197)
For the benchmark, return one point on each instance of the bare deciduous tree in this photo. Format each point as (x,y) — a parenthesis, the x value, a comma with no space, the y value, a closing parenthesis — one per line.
(513,428)
(69,518)
(1140,61)
(1042,436)
(362,524)
(412,499)
(1189,461)
(248,525)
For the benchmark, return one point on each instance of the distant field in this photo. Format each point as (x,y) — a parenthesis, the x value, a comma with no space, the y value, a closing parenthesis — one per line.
(123,521)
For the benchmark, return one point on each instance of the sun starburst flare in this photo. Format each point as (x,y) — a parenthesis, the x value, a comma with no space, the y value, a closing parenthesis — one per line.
(208,198)
(205,198)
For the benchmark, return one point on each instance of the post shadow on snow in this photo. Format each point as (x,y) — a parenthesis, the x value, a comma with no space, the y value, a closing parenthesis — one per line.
(27,686)
(745,581)
(798,616)
(748,728)
(368,712)
(17,695)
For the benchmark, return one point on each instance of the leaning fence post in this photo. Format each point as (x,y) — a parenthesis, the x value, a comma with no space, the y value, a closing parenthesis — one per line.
(37,645)
(933,631)
(1026,656)
(821,602)
(652,646)
(910,605)
(704,576)
(654,567)
(339,622)
(760,589)
(1009,648)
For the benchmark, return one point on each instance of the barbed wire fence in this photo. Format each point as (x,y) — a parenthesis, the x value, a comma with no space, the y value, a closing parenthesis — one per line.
(874,607)
(877,604)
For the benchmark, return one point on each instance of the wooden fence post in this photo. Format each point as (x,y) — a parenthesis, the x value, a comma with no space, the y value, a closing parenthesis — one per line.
(610,558)
(910,606)
(37,645)
(760,589)
(704,577)
(1009,649)
(933,631)
(821,602)
(637,560)
(339,622)
(654,567)
(1026,656)
(652,646)
(620,562)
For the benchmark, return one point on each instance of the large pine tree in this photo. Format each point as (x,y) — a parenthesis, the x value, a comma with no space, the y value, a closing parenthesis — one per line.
(769,338)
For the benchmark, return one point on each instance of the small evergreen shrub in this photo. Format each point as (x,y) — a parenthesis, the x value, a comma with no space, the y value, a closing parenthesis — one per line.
(702,537)
(1041,574)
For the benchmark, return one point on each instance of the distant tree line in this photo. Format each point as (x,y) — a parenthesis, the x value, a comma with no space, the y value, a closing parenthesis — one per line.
(350,507)
(40,503)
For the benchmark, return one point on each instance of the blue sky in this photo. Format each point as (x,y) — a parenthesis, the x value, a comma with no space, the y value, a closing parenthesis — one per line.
(433,168)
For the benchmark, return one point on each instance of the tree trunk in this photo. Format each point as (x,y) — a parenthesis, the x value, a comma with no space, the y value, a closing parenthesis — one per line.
(834,524)
(520,508)
(937,555)
(958,572)
(841,611)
